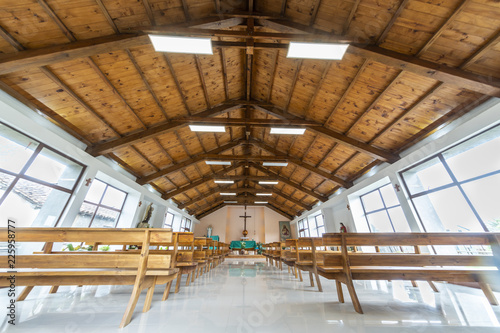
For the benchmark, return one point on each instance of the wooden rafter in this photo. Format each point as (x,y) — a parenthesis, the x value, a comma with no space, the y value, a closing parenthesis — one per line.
(11,40)
(347,23)
(481,51)
(202,80)
(338,137)
(186,163)
(173,125)
(283,8)
(108,17)
(149,11)
(57,20)
(389,25)
(318,88)
(185,8)
(314,13)
(443,27)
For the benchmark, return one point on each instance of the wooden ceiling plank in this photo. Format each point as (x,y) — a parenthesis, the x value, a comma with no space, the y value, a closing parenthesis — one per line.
(122,164)
(446,24)
(144,157)
(206,194)
(375,102)
(279,211)
(338,137)
(47,113)
(287,197)
(481,51)
(217,6)
(283,8)
(224,72)
(209,211)
(177,83)
(347,23)
(294,82)
(57,20)
(318,88)
(185,8)
(146,83)
(348,90)
(105,12)
(273,75)
(188,162)
(389,25)
(326,155)
(302,164)
(77,98)
(110,85)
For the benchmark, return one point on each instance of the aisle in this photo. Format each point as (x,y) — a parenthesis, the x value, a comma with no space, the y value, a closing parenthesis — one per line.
(250,296)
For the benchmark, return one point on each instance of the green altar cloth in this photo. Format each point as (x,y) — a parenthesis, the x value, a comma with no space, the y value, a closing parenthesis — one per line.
(248,245)
(215,238)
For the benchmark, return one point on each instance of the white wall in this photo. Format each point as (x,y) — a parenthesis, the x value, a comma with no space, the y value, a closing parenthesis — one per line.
(20,117)
(336,208)
(262,226)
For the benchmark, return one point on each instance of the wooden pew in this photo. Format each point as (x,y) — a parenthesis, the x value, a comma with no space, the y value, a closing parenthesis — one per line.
(200,255)
(347,266)
(143,270)
(290,256)
(309,258)
(185,261)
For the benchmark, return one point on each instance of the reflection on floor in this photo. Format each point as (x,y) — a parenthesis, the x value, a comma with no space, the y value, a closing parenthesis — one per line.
(249,296)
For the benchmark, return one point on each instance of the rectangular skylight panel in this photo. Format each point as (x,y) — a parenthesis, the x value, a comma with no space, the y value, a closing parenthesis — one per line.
(261,202)
(283,130)
(181,44)
(227,193)
(327,51)
(218,162)
(230,201)
(223,181)
(264,194)
(284,164)
(207,128)
(268,182)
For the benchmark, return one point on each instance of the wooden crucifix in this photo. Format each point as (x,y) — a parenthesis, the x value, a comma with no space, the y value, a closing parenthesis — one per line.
(245,232)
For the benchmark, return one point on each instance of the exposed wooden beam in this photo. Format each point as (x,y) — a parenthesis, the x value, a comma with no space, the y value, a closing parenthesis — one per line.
(482,50)
(294,82)
(283,8)
(186,10)
(105,12)
(224,72)
(217,6)
(314,13)
(186,163)
(11,40)
(252,158)
(258,122)
(57,20)
(347,23)
(279,211)
(318,88)
(338,137)
(173,125)
(302,164)
(149,12)
(443,27)
(389,25)
(202,80)
(201,181)
(12,62)
(273,75)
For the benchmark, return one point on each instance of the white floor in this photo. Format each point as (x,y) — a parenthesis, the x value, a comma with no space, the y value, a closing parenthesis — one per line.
(249,296)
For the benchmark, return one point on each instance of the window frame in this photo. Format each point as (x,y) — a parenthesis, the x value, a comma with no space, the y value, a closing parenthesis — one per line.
(165,224)
(98,205)
(22,173)
(384,208)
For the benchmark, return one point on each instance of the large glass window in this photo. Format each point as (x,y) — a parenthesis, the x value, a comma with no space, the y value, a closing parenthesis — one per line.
(185,225)
(102,206)
(169,220)
(316,225)
(457,190)
(303,227)
(36,181)
(383,212)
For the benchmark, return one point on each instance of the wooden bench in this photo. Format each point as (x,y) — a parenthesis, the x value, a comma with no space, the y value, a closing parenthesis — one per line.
(200,255)
(346,266)
(143,270)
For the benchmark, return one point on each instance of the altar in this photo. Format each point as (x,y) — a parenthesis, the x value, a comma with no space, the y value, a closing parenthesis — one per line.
(248,245)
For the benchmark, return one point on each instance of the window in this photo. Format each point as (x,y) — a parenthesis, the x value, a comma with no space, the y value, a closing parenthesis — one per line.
(36,181)
(317,225)
(303,228)
(169,220)
(102,206)
(185,225)
(457,190)
(383,212)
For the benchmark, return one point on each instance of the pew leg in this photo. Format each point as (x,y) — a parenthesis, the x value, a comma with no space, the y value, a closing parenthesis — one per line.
(354,296)
(288,269)
(488,293)
(188,279)
(25,293)
(433,286)
(53,290)
(340,294)
(167,291)
(192,276)
(136,292)
(178,283)
(149,296)
(318,282)
(295,271)
(300,275)
(311,278)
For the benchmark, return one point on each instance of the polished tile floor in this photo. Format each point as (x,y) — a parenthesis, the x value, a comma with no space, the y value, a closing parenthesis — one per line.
(249,296)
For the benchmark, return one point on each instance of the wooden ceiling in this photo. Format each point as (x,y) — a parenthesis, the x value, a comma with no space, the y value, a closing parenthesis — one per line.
(412,67)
